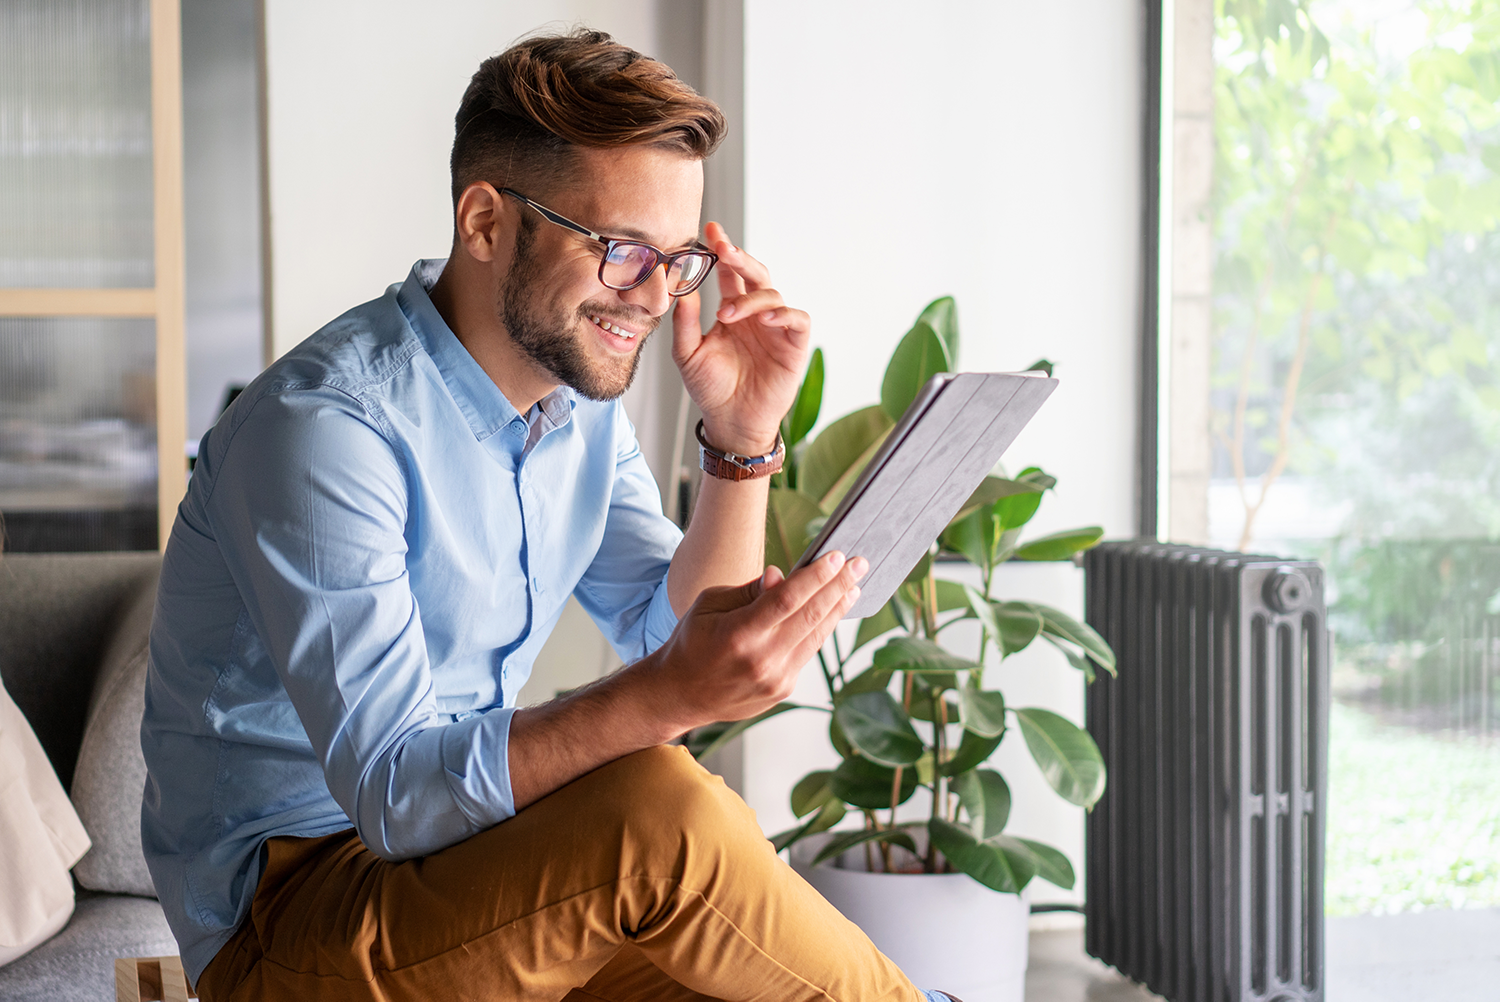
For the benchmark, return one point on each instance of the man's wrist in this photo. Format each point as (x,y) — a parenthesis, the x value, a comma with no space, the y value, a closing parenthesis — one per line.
(725,438)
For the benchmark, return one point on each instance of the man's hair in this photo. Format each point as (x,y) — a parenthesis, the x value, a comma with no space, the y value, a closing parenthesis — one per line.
(528,110)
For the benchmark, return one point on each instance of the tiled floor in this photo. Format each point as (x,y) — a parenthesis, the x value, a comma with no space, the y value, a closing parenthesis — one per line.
(1439,956)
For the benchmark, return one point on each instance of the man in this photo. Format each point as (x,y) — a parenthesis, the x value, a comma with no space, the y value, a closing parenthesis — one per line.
(343,800)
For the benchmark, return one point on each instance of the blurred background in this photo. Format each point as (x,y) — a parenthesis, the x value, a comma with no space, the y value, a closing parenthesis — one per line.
(1258,237)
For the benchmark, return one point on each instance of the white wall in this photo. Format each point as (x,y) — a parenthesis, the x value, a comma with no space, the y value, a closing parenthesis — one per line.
(361,96)
(896,152)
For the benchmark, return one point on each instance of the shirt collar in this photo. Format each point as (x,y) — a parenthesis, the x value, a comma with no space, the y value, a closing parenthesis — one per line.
(483,405)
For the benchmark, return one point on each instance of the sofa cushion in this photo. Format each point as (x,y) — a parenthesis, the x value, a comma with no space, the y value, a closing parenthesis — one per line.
(111,772)
(77,965)
(57,613)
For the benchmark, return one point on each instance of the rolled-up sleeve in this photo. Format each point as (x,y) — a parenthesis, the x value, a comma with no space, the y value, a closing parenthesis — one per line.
(310,508)
(625,586)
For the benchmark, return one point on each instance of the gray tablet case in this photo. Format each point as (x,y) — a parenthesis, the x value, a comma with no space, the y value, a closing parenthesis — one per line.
(950,437)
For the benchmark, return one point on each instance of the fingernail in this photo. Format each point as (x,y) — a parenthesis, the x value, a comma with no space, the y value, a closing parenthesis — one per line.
(768,315)
(858,567)
(835,560)
(853,595)
(725,312)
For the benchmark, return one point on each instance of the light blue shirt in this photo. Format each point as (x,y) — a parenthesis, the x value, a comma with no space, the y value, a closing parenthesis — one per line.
(373,547)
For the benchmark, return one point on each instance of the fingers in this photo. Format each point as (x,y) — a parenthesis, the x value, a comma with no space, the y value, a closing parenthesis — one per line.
(833,599)
(818,635)
(818,585)
(747,273)
(687,329)
(761,301)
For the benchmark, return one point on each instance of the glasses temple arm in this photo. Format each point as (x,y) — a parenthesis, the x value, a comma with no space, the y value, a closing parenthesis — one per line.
(553,217)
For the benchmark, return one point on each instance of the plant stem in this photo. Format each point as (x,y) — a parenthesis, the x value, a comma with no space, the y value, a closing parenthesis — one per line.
(929,605)
(827,675)
(939,785)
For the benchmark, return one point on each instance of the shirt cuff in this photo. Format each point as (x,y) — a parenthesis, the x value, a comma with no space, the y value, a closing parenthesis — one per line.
(660,619)
(476,763)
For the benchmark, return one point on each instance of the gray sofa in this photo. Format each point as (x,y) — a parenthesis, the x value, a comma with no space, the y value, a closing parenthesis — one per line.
(72,655)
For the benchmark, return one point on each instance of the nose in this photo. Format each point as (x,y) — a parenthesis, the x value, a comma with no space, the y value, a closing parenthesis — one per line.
(651,295)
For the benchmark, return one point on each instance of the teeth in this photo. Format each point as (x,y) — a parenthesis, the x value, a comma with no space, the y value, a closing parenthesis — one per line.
(612,328)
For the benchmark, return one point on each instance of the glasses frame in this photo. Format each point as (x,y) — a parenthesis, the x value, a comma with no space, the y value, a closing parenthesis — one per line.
(660,257)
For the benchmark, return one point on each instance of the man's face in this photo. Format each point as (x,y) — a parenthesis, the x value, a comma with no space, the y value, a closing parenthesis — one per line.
(551,301)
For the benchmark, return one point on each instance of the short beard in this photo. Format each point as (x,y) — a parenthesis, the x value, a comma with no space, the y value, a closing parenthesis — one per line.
(549,341)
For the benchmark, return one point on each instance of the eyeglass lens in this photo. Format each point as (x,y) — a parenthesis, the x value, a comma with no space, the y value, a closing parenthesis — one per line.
(629,264)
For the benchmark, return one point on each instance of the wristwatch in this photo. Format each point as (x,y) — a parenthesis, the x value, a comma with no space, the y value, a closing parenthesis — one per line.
(729,466)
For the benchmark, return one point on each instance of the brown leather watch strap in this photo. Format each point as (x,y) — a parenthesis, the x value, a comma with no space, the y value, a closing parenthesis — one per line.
(730,466)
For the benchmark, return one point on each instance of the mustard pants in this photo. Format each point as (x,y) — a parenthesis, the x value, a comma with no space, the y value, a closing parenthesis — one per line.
(647,880)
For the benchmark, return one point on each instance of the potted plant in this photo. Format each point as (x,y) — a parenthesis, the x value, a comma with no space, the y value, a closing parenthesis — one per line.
(919,717)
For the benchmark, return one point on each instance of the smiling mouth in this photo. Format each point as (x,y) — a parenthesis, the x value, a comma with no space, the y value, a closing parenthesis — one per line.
(614,329)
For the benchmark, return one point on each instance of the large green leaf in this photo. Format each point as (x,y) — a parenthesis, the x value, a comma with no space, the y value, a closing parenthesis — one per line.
(942,316)
(873,627)
(788,516)
(1050,864)
(1016,510)
(1060,545)
(836,737)
(990,490)
(924,704)
(1019,623)
(1005,545)
(804,413)
(1059,624)
(844,841)
(990,864)
(950,595)
(869,680)
(983,711)
(918,654)
(811,792)
(1079,661)
(1068,757)
(836,457)
(704,741)
(865,784)
(920,356)
(875,724)
(972,537)
(972,750)
(830,814)
(985,798)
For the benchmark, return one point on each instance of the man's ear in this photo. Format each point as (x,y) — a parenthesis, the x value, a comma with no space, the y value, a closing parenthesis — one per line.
(478,220)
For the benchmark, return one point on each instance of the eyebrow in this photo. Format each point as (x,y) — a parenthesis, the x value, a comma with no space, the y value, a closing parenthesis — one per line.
(631,233)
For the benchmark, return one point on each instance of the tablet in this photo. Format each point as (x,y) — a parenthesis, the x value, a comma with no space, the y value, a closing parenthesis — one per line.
(945,444)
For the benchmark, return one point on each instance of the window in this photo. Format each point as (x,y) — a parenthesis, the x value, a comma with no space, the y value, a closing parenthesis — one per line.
(1332,390)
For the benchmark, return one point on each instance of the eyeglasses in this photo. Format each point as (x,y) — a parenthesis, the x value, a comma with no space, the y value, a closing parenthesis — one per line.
(629,263)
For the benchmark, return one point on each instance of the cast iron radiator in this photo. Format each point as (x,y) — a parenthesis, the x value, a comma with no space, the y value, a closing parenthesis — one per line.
(1204,876)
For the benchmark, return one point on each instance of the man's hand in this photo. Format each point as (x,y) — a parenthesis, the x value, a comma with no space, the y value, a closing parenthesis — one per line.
(744,372)
(737,652)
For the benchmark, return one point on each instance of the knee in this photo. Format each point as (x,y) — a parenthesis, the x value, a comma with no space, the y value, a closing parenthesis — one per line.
(669,785)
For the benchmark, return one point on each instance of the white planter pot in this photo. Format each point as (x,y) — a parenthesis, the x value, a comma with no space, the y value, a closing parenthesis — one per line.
(944,930)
